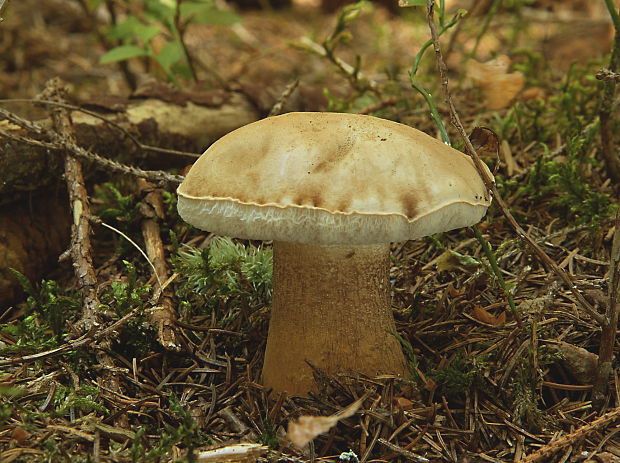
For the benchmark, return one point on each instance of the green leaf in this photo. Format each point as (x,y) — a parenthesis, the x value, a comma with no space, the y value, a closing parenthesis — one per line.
(409,3)
(207,13)
(146,32)
(122,53)
(170,54)
(132,28)
(123,29)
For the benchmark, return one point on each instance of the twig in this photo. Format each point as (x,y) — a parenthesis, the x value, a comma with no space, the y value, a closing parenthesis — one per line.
(163,315)
(59,142)
(86,339)
(606,74)
(277,107)
(401,451)
(543,454)
(488,180)
(80,248)
(609,330)
(111,123)
(350,72)
(609,150)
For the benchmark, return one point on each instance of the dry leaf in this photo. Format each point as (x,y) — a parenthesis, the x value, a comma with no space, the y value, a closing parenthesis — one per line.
(452,260)
(402,403)
(485,140)
(236,453)
(482,315)
(19,434)
(498,86)
(307,427)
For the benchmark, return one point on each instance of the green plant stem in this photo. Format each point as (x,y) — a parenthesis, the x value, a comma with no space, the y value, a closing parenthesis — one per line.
(178,31)
(612,159)
(615,15)
(485,26)
(416,65)
(420,54)
(497,272)
(434,112)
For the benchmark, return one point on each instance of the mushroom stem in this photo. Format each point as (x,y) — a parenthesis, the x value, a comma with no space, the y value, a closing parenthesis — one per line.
(331,308)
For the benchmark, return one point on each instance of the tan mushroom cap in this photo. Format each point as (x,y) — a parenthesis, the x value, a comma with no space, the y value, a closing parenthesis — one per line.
(331,178)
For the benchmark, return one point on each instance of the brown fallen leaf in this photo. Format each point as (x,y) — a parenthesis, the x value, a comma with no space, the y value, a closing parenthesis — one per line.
(307,427)
(19,434)
(498,86)
(402,403)
(482,315)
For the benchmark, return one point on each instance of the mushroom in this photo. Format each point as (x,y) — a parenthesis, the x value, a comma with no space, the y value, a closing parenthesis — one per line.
(332,191)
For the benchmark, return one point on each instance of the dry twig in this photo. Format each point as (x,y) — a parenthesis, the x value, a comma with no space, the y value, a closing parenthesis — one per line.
(609,150)
(286,94)
(543,454)
(80,248)
(163,314)
(57,142)
(456,122)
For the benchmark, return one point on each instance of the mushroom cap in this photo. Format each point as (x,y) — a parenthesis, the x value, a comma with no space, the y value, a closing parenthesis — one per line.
(331,178)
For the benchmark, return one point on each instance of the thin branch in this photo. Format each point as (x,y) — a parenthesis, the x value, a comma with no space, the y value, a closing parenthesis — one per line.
(107,121)
(286,94)
(606,74)
(609,150)
(80,247)
(489,182)
(545,453)
(163,315)
(59,142)
(609,331)
(88,338)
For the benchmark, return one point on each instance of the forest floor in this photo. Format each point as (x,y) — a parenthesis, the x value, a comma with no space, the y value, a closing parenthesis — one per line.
(504,356)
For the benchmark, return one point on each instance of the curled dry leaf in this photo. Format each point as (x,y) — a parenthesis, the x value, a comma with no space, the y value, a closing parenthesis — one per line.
(307,427)
(484,316)
(499,87)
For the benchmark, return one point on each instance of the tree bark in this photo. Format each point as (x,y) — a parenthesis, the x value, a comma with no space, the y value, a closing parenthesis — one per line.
(180,125)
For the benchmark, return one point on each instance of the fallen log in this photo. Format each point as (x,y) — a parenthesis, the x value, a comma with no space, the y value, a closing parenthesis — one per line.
(126,131)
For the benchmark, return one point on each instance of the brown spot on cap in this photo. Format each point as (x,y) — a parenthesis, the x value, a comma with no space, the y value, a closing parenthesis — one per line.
(409,204)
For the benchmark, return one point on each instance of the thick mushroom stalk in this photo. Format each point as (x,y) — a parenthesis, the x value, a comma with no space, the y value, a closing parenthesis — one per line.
(331,308)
